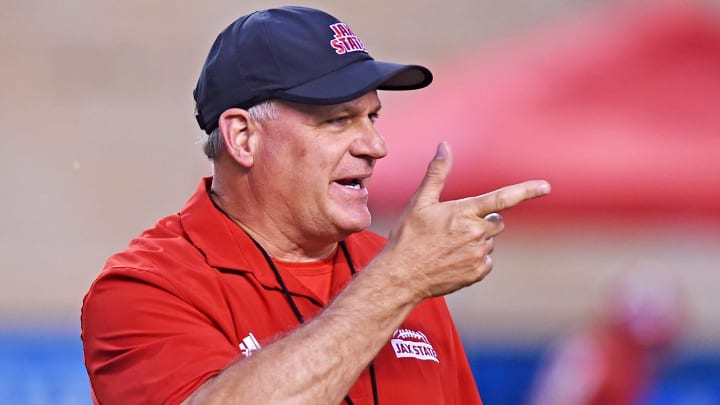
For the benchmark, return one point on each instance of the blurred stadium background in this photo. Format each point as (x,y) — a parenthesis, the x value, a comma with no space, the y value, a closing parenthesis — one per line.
(617,103)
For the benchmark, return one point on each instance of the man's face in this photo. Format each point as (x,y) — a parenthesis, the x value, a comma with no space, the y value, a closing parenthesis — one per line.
(314,165)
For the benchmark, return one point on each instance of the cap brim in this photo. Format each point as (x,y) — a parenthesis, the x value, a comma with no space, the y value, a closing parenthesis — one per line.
(357,79)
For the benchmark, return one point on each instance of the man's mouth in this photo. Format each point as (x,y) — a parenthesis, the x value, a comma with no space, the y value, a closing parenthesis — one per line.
(353,183)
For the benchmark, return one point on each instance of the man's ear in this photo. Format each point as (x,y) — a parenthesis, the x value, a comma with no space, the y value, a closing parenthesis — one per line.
(237,129)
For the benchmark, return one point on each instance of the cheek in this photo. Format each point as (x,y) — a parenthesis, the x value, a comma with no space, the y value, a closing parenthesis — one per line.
(322,165)
(313,160)
(302,152)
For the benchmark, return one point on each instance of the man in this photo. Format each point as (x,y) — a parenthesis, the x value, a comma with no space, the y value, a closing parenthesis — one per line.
(267,287)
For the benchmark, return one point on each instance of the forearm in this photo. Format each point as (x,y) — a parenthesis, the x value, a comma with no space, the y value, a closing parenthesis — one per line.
(299,369)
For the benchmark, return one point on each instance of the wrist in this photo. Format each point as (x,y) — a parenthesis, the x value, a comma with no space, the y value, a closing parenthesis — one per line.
(394,281)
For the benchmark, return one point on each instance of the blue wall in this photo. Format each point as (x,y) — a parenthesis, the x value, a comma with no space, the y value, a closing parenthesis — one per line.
(42,367)
(46,367)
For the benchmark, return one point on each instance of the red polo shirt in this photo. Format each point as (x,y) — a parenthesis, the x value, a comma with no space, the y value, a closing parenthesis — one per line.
(193,293)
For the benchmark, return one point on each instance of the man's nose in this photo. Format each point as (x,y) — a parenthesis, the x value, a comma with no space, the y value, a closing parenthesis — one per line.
(369,143)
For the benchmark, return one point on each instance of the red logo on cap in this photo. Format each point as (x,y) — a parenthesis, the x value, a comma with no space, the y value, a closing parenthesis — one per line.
(345,40)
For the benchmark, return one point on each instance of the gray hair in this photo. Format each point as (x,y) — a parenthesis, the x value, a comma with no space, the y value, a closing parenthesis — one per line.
(214,142)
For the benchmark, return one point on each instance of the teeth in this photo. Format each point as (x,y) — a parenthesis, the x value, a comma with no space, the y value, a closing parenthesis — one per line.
(355,186)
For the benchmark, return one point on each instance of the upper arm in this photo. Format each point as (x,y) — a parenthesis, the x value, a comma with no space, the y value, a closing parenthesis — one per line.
(144,343)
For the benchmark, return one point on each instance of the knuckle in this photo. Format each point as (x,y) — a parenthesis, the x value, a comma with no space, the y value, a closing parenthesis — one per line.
(500,201)
(478,255)
(477,232)
(490,243)
(434,171)
(483,270)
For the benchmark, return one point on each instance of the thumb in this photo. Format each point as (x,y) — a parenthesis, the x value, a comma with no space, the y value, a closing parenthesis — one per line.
(437,171)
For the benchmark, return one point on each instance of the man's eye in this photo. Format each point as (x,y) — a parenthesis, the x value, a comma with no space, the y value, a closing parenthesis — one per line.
(338,120)
(374,117)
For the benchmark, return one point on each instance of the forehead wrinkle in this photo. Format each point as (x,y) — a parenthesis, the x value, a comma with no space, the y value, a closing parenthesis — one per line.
(351,106)
(356,105)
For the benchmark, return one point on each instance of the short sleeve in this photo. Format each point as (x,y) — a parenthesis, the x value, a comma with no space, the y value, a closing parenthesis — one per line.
(144,342)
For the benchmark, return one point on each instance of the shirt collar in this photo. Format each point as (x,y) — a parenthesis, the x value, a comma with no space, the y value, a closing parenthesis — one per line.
(223,243)
(226,245)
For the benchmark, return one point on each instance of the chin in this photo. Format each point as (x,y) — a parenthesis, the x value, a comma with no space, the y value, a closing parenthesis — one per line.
(353,223)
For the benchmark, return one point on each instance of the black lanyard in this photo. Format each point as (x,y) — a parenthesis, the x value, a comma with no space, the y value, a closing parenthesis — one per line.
(301,319)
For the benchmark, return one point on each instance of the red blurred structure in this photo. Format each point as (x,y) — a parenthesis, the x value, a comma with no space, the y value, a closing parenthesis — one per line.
(619,110)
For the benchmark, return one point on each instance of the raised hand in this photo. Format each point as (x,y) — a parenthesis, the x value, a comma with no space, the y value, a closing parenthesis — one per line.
(439,247)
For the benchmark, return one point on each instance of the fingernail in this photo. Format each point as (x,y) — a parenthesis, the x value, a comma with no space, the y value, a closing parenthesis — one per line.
(494,217)
(544,188)
(441,152)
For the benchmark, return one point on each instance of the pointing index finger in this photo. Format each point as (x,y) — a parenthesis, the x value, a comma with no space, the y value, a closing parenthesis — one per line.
(506,197)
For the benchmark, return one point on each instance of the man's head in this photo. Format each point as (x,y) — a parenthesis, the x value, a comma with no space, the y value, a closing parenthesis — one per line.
(289,98)
(296,54)
(308,170)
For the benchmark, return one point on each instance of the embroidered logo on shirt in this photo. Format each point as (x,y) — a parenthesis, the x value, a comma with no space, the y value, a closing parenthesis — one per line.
(412,343)
(249,345)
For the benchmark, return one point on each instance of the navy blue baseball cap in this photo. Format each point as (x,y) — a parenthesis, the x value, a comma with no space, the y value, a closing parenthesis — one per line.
(296,54)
